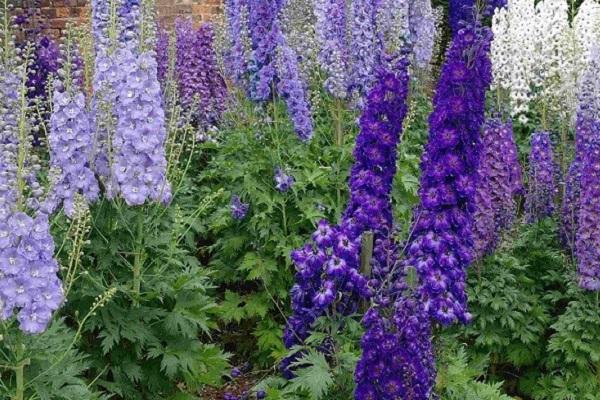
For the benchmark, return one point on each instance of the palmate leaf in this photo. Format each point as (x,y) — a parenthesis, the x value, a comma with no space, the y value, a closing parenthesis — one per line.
(232,308)
(258,267)
(313,375)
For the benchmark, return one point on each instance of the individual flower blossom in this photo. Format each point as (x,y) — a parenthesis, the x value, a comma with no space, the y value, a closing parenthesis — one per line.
(333,54)
(139,163)
(236,61)
(293,90)
(363,55)
(588,235)
(422,22)
(441,244)
(283,181)
(495,207)
(198,77)
(542,188)
(264,34)
(327,268)
(238,208)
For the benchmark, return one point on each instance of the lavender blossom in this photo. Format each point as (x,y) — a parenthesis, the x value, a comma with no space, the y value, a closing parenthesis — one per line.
(460,14)
(238,208)
(441,246)
(542,190)
(45,64)
(293,90)
(162,55)
(331,34)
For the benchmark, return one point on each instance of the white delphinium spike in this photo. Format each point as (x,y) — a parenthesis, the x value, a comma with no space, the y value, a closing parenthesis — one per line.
(500,52)
(587,28)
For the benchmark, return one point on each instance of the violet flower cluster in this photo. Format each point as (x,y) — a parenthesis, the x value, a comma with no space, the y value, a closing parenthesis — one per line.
(264,34)
(239,209)
(198,77)
(293,91)
(162,54)
(283,181)
(498,183)
(331,34)
(441,246)
(588,231)
(328,275)
(45,63)
(542,188)
(460,14)
(139,163)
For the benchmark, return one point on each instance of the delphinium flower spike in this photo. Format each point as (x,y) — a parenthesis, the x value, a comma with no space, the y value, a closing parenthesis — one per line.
(542,186)
(29,284)
(363,46)
(264,33)
(422,23)
(441,244)
(495,207)
(588,229)
(460,14)
(292,89)
(198,77)
(328,276)
(236,60)
(70,139)
(587,115)
(333,55)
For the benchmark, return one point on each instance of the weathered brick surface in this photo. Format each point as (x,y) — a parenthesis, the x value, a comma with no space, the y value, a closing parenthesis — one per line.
(55,14)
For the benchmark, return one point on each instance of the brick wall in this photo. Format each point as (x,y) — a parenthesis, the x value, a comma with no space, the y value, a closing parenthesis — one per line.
(55,14)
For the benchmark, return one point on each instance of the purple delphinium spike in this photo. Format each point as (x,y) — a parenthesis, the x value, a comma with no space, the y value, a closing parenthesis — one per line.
(422,32)
(238,208)
(363,45)
(542,188)
(460,14)
(198,77)
(495,207)
(292,89)
(441,245)
(587,115)
(100,25)
(9,90)
(331,34)
(139,163)
(162,54)
(397,360)
(236,60)
(130,18)
(328,267)
(588,229)
(264,34)
(45,63)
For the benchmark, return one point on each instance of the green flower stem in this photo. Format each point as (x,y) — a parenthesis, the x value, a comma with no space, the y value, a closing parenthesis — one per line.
(138,260)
